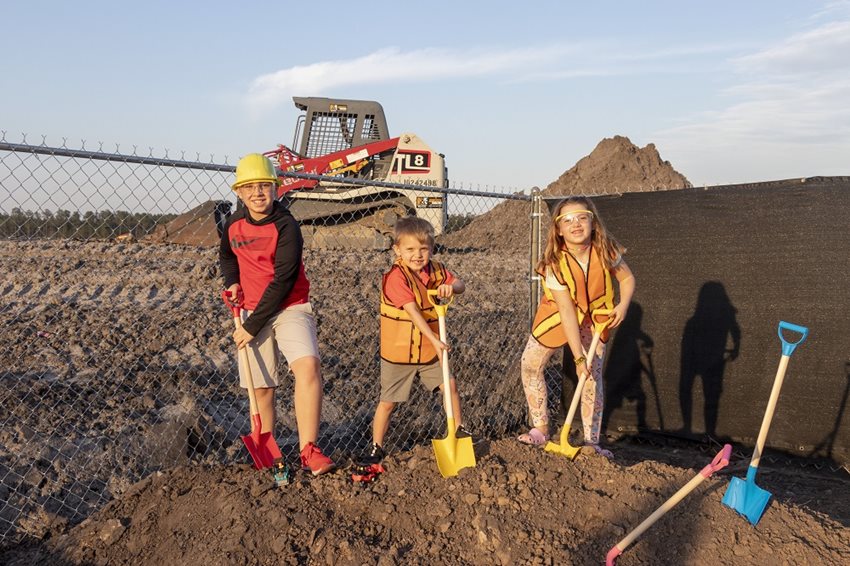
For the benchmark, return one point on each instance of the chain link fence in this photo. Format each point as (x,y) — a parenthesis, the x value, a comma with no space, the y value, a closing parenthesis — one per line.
(117,359)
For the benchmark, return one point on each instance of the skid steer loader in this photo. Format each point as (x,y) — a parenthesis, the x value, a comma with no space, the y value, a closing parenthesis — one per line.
(349,139)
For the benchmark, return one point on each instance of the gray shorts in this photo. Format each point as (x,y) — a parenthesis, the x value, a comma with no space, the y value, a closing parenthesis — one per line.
(291,332)
(397,379)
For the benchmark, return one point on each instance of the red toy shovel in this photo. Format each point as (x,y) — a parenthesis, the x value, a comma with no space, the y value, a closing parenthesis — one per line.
(261,445)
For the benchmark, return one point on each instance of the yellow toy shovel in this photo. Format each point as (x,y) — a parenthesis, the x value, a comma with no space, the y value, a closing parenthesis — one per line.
(564,448)
(452,453)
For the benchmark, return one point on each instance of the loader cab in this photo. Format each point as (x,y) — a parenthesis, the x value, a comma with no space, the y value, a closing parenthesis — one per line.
(349,142)
(329,125)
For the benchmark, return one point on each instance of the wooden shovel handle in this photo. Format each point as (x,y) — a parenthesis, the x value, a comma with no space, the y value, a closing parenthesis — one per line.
(598,328)
(444,357)
(236,308)
(787,350)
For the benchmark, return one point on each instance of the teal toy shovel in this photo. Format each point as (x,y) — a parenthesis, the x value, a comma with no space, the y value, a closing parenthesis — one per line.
(744,496)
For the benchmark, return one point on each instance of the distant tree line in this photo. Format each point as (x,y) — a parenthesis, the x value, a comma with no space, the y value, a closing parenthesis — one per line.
(103,224)
(107,224)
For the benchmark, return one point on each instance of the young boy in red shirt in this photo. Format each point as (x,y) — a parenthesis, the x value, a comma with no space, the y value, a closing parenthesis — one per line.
(260,254)
(410,342)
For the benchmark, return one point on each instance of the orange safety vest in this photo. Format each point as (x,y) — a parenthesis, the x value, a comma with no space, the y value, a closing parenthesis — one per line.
(589,292)
(401,341)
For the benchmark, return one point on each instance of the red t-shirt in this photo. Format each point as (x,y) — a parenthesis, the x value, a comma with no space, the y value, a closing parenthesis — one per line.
(265,258)
(399,293)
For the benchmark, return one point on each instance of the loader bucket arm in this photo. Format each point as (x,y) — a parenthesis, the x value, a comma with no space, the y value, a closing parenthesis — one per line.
(344,162)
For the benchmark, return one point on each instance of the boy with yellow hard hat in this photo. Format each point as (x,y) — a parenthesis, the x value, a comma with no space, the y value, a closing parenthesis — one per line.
(261,259)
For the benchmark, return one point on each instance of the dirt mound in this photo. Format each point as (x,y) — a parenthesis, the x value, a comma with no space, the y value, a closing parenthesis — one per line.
(520,505)
(615,165)
(197,227)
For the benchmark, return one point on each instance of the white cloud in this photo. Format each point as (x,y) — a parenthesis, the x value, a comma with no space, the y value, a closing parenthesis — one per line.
(394,65)
(823,49)
(536,63)
(775,114)
(834,10)
(615,59)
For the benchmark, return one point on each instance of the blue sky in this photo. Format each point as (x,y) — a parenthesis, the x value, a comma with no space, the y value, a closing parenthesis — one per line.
(513,93)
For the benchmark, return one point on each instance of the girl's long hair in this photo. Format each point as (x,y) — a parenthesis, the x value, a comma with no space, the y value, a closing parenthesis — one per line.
(610,249)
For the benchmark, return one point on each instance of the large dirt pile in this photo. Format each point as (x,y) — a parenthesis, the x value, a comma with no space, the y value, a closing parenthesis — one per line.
(614,166)
(520,505)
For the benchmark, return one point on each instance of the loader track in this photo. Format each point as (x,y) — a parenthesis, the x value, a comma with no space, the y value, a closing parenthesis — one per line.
(365,223)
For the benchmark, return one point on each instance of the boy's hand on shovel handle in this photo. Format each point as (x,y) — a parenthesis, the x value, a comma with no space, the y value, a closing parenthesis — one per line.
(439,345)
(242,337)
(445,291)
(233,296)
(234,299)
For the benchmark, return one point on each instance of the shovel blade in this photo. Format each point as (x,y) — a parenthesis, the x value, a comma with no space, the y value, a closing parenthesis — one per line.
(453,454)
(563,449)
(745,497)
(262,448)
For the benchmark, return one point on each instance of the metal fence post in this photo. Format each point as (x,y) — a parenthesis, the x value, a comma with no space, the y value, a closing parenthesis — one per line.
(534,278)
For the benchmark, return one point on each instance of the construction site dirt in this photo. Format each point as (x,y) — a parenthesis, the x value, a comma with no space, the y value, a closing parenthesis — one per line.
(151,314)
(122,446)
(518,506)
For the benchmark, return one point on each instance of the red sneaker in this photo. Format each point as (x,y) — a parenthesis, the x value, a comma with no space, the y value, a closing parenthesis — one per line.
(312,459)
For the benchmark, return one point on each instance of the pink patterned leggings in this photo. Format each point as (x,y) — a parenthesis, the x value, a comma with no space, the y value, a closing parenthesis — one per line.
(534,360)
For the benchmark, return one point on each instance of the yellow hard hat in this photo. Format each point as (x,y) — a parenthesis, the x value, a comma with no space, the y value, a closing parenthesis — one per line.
(255,167)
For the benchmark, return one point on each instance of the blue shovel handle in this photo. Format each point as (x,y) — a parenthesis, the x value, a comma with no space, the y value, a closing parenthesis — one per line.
(788,347)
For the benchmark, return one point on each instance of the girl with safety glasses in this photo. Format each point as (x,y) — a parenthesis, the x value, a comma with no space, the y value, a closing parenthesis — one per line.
(580,263)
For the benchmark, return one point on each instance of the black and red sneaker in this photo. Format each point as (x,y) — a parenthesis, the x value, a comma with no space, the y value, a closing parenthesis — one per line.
(366,473)
(313,460)
(375,455)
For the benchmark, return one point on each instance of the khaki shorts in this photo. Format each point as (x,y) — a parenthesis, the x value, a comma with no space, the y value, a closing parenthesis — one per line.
(291,332)
(397,379)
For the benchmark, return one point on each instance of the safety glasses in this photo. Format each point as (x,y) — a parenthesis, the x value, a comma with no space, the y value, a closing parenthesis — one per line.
(252,188)
(575,215)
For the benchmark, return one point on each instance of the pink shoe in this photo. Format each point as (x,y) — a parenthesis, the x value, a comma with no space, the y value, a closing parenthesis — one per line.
(602,451)
(312,459)
(533,437)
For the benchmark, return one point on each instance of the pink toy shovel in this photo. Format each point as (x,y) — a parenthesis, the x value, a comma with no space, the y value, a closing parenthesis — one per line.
(719,462)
